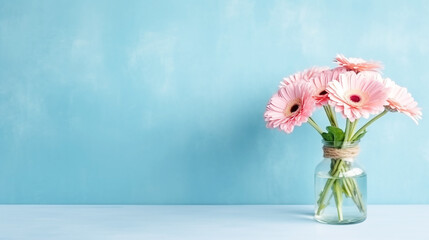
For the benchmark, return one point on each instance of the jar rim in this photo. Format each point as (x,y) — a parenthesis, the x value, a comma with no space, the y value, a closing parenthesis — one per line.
(331,144)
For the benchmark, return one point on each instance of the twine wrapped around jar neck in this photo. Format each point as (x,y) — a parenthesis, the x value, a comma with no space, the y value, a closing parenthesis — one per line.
(344,153)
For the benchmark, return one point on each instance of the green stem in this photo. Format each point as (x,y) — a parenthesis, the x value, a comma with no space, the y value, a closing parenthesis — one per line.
(334,173)
(331,116)
(368,123)
(315,126)
(354,124)
(338,199)
(357,195)
(334,115)
(347,132)
(352,190)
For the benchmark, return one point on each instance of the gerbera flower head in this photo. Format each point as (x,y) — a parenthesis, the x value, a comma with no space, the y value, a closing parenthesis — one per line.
(320,83)
(357,64)
(357,95)
(305,75)
(291,106)
(400,100)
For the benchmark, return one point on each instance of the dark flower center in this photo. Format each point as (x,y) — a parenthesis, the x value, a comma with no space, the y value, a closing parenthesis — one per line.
(323,92)
(294,108)
(355,98)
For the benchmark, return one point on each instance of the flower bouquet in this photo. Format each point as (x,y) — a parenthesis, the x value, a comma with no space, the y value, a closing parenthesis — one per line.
(355,89)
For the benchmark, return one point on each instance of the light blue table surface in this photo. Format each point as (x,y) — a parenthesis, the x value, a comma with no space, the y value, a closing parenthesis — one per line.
(204,222)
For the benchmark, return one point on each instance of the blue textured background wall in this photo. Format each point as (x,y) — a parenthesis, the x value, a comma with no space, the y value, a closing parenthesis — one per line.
(162,101)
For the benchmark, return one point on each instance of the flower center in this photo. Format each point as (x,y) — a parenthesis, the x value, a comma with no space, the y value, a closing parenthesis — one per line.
(323,92)
(294,108)
(355,98)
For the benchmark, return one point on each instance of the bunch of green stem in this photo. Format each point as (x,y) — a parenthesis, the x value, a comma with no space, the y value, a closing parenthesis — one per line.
(339,185)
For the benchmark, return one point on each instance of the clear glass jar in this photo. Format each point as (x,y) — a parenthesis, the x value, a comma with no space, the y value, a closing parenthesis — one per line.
(340,185)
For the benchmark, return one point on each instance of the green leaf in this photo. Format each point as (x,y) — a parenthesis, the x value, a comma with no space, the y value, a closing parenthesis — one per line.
(358,137)
(328,136)
(338,135)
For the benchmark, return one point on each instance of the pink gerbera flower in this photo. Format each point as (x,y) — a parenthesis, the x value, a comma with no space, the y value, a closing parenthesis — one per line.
(305,75)
(320,83)
(357,64)
(357,95)
(400,100)
(291,106)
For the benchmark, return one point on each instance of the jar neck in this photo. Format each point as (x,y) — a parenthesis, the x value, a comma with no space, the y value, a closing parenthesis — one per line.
(345,151)
(333,144)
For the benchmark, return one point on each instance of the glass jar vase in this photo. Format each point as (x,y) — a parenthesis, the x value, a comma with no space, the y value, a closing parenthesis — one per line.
(340,185)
